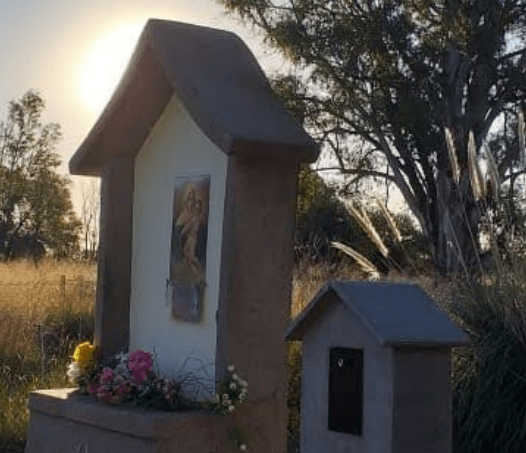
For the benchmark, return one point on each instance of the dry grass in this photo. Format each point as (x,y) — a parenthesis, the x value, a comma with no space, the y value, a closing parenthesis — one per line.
(41,320)
(309,278)
(29,295)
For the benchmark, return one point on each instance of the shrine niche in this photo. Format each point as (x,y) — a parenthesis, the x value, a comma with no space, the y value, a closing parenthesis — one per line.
(187,281)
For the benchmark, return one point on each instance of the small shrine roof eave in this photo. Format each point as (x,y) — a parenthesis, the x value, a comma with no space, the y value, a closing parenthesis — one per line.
(220,84)
(384,320)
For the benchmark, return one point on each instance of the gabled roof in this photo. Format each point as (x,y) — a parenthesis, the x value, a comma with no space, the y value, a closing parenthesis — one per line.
(218,81)
(395,314)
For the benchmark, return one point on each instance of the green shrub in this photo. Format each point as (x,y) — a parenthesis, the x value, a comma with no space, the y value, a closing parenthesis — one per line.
(489,377)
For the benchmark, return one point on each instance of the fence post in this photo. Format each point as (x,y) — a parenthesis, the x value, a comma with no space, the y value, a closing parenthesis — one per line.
(80,286)
(63,286)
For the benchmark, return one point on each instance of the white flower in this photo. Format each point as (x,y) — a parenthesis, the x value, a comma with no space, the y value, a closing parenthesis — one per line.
(230,408)
(225,396)
(122,357)
(233,385)
(216,398)
(243,447)
(230,368)
(73,372)
(235,377)
(242,396)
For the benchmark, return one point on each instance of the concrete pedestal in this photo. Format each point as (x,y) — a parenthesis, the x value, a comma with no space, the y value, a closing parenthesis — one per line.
(63,421)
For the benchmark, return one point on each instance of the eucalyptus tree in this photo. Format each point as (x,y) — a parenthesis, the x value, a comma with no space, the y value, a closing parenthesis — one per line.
(380,82)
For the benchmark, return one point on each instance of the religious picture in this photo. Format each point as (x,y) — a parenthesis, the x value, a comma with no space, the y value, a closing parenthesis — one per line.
(186,284)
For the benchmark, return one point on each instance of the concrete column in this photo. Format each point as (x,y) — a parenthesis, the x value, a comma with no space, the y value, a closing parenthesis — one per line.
(257,262)
(112,309)
(422,401)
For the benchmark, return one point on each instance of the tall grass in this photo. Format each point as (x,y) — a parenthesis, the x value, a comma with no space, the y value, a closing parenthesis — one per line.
(489,377)
(41,320)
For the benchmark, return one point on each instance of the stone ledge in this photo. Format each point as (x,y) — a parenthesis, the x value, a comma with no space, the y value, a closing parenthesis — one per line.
(136,422)
(68,417)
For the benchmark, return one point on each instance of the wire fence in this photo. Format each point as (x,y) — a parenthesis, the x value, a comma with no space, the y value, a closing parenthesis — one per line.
(63,281)
(80,285)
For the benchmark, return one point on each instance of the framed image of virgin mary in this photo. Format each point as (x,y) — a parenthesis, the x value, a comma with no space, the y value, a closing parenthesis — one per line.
(187,277)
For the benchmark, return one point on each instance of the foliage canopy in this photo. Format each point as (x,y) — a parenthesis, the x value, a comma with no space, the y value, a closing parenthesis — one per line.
(379,82)
(36,214)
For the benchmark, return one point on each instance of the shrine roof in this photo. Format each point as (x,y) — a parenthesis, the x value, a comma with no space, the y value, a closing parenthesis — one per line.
(218,81)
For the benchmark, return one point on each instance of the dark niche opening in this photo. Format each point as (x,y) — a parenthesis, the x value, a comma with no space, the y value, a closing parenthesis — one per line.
(346,390)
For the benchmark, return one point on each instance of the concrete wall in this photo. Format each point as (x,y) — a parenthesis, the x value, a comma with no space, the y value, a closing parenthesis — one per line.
(65,422)
(422,418)
(339,327)
(175,146)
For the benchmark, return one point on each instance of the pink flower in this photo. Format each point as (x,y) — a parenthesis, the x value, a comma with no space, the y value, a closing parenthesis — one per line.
(123,389)
(139,376)
(103,394)
(107,376)
(140,361)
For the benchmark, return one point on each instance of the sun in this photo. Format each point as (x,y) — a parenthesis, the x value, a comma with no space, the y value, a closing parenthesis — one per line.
(104,66)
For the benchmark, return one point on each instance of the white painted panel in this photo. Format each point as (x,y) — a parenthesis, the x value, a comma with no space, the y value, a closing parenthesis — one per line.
(340,327)
(175,146)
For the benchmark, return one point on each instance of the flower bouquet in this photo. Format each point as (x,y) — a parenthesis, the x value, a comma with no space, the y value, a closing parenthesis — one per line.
(127,378)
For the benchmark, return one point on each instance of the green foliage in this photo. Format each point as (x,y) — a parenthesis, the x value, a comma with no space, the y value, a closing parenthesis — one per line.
(505,225)
(378,82)
(321,218)
(489,377)
(36,214)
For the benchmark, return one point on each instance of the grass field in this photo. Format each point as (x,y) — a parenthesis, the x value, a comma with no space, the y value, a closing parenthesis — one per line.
(44,312)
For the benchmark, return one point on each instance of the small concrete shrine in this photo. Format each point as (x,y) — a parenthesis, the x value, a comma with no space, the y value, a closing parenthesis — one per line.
(199,164)
(375,370)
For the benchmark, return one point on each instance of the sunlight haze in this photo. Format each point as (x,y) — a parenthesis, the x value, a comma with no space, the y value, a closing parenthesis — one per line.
(74,56)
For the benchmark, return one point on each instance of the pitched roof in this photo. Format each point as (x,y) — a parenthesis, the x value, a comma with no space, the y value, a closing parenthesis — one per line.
(395,314)
(220,84)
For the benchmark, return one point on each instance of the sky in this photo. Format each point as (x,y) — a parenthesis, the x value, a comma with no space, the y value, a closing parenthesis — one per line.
(75,52)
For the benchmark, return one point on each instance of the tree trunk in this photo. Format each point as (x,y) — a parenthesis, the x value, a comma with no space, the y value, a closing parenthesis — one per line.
(457,246)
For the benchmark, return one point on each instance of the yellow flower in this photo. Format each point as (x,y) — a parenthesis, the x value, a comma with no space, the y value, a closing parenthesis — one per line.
(84,355)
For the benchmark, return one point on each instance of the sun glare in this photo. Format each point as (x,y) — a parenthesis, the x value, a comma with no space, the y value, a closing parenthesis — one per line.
(104,66)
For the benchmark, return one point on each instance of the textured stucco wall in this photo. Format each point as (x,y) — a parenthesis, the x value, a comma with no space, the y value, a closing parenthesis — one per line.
(422,411)
(175,146)
(339,327)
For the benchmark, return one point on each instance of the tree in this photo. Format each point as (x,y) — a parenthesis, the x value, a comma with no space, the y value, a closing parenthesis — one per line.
(322,219)
(379,82)
(90,213)
(36,214)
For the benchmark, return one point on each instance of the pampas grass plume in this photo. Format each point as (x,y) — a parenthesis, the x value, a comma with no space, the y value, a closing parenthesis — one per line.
(475,174)
(452,155)
(368,227)
(362,261)
(390,220)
